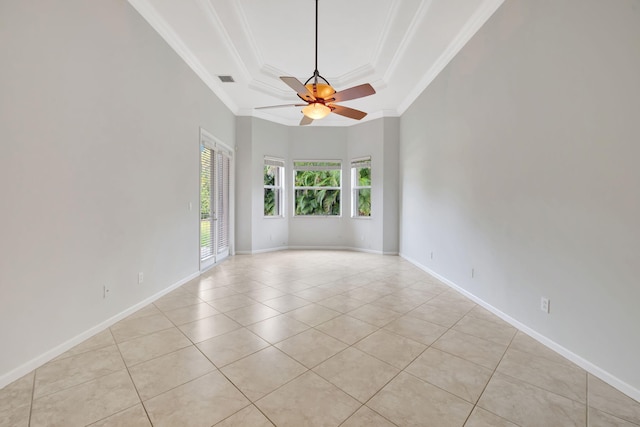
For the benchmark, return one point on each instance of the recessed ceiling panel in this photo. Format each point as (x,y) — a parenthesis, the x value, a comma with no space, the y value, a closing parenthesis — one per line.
(398,46)
(284,33)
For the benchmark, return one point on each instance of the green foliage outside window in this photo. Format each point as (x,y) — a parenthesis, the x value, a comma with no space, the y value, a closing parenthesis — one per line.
(205,197)
(270,206)
(364,194)
(317,200)
(205,183)
(269,202)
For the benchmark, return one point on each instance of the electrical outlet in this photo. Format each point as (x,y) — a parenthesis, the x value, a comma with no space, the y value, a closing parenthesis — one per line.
(105,291)
(473,273)
(545,304)
(140,278)
(431,255)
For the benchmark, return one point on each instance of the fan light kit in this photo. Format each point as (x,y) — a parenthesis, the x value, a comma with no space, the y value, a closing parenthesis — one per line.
(320,96)
(316,111)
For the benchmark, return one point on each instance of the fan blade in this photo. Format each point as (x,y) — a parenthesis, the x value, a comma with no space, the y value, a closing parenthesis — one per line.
(296,85)
(305,121)
(281,106)
(348,112)
(353,93)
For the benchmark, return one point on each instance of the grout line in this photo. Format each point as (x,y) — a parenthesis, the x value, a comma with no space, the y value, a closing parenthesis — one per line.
(491,377)
(587,398)
(33,392)
(237,280)
(132,383)
(351,414)
(68,387)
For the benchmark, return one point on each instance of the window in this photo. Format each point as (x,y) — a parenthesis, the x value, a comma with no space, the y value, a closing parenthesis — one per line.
(273,187)
(317,187)
(361,187)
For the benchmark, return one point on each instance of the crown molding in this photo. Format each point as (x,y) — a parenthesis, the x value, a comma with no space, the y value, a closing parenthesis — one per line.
(468,30)
(379,84)
(269,89)
(353,75)
(246,29)
(265,115)
(150,14)
(423,9)
(216,22)
(271,71)
(384,34)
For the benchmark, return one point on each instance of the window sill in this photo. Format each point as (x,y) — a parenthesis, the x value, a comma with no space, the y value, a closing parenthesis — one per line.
(318,216)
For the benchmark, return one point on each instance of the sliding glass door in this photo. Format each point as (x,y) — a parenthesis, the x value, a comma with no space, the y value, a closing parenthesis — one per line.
(215,200)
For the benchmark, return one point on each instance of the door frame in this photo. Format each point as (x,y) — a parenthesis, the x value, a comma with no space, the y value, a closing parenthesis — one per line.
(216,145)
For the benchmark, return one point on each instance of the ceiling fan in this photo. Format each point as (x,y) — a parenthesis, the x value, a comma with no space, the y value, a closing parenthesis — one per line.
(320,96)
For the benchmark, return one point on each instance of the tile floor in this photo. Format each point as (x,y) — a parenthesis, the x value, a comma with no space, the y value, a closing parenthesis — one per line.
(313,338)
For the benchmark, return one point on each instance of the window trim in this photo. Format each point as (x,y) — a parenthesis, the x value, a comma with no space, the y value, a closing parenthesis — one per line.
(360,162)
(279,186)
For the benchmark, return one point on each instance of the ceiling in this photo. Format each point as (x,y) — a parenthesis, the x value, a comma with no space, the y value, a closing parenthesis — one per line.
(399,46)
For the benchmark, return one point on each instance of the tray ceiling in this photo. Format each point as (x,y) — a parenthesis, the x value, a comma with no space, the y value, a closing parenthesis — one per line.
(399,46)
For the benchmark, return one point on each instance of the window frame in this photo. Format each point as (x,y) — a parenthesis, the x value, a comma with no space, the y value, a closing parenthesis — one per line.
(278,186)
(360,163)
(320,165)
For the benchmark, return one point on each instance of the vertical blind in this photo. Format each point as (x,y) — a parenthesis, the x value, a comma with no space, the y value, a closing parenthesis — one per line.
(272,161)
(363,162)
(206,188)
(215,195)
(223,164)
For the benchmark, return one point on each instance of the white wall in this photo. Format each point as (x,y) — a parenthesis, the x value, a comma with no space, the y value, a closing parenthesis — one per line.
(99,160)
(378,139)
(521,161)
(270,139)
(244,188)
(390,182)
(319,143)
(366,139)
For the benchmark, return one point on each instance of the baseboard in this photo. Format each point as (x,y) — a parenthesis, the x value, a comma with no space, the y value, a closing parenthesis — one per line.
(314,248)
(341,248)
(371,251)
(263,251)
(49,355)
(568,354)
(367,251)
(318,248)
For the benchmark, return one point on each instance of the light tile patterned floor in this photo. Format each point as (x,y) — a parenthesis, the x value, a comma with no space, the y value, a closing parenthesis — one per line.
(313,338)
